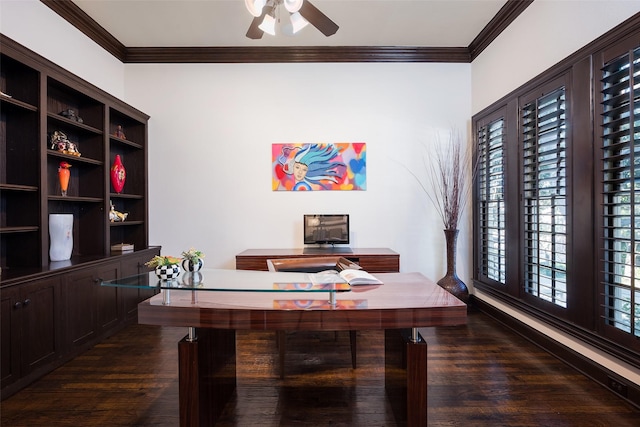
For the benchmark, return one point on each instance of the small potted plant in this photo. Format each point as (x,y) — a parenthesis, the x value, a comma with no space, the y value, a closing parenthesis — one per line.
(192,260)
(166,267)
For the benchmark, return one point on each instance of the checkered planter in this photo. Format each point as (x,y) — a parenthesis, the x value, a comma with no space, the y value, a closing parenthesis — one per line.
(166,272)
(188,265)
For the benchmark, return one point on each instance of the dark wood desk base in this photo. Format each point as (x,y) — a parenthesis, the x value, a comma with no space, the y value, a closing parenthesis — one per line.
(208,376)
(405,376)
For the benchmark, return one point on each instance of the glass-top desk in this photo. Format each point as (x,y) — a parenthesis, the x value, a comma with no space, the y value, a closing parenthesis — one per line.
(221,280)
(216,303)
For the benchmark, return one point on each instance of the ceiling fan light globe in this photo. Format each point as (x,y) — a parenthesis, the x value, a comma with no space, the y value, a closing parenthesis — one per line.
(255,6)
(268,25)
(298,22)
(293,5)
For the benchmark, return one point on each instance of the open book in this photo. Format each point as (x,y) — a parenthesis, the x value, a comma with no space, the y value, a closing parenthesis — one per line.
(351,276)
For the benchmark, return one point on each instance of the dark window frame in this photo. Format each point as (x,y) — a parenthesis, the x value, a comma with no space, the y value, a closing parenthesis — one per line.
(579,73)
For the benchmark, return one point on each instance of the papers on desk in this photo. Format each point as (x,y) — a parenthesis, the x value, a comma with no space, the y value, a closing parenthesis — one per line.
(350,276)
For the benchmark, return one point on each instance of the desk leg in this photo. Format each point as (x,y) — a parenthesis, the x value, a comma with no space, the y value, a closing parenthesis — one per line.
(406,377)
(207,376)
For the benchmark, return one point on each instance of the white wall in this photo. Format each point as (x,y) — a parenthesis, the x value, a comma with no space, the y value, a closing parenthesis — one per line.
(508,63)
(211,130)
(34,25)
(544,34)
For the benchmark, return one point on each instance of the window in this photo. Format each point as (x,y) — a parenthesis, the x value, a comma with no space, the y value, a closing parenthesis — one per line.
(557,195)
(490,200)
(621,189)
(544,197)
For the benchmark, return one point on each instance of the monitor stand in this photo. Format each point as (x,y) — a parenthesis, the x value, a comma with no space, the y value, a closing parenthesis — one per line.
(327,250)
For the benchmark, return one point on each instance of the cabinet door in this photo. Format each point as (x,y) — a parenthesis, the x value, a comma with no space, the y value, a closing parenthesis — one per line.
(107,298)
(80,314)
(9,335)
(40,333)
(30,329)
(90,309)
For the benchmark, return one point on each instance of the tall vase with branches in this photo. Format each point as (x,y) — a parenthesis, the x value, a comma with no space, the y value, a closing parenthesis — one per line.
(450,176)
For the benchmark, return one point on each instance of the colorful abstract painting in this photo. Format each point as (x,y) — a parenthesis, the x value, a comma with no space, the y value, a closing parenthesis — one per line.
(319,166)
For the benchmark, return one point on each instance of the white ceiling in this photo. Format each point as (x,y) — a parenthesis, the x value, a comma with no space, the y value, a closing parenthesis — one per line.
(203,23)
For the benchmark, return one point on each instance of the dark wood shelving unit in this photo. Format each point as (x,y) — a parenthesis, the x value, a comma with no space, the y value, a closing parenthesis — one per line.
(55,310)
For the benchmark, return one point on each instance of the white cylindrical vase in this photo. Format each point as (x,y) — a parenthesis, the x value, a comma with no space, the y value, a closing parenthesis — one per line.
(60,236)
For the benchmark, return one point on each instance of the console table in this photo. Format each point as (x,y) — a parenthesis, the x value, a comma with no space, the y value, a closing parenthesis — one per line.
(373,260)
(213,304)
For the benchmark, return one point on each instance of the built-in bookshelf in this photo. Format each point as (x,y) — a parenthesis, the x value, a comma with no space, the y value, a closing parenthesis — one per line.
(35,94)
(53,311)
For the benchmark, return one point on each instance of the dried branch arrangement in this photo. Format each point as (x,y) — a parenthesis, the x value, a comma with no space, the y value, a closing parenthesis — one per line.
(450,174)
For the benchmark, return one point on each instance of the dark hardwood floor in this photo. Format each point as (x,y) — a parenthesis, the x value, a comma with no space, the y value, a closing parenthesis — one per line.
(479,375)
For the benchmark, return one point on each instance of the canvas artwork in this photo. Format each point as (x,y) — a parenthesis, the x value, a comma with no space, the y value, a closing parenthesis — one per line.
(319,166)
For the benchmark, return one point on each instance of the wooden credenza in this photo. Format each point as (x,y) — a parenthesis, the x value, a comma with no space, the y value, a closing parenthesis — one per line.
(373,260)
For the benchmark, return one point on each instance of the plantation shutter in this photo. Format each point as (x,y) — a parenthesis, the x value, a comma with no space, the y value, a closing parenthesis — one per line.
(621,188)
(491,207)
(544,197)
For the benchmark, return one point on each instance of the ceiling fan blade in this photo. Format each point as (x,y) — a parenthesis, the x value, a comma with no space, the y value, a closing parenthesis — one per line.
(254,32)
(318,19)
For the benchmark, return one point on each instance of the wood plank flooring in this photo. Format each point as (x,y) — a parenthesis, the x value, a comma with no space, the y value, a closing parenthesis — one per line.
(479,375)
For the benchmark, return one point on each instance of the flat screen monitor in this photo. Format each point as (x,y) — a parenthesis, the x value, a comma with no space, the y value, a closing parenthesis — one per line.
(326,229)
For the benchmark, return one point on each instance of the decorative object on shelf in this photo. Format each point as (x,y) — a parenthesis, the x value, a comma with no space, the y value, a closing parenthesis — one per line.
(60,236)
(118,174)
(122,247)
(115,216)
(63,176)
(61,143)
(120,133)
(192,260)
(71,115)
(168,272)
(450,174)
(166,267)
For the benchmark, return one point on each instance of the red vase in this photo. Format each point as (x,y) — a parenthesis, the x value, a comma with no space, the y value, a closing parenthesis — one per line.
(118,174)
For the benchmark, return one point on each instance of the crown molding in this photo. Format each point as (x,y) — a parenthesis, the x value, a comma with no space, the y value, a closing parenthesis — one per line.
(269,54)
(87,25)
(505,16)
(83,22)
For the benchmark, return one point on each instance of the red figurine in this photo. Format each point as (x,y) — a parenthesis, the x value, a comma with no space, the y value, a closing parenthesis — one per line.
(118,174)
(120,132)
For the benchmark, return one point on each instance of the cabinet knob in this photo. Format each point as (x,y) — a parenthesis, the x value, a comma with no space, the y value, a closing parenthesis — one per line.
(26,302)
(17,305)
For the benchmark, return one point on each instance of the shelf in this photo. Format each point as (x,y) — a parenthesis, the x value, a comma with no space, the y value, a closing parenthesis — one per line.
(126,142)
(73,123)
(125,196)
(8,102)
(13,230)
(80,159)
(75,199)
(18,187)
(125,223)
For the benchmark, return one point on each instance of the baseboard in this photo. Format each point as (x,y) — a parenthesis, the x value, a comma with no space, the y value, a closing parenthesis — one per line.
(618,385)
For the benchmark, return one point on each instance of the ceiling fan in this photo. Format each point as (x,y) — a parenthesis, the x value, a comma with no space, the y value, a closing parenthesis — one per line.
(301,13)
